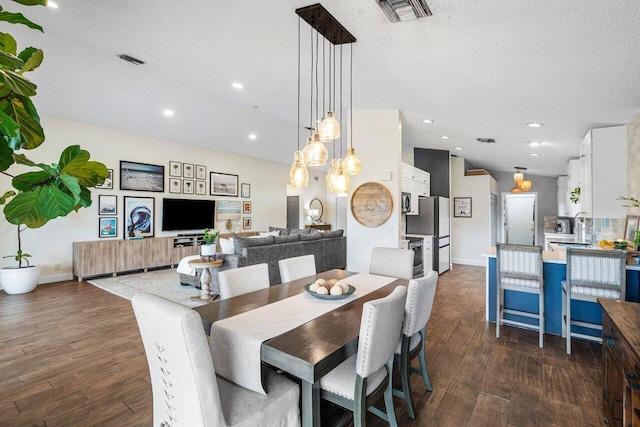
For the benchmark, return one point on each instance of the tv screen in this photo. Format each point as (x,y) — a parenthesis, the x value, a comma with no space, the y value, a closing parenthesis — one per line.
(188,214)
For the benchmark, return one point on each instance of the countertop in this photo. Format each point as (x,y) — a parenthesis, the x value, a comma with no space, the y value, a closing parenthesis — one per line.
(422,236)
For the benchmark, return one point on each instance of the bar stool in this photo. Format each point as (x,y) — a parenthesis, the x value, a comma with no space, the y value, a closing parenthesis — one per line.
(591,274)
(519,268)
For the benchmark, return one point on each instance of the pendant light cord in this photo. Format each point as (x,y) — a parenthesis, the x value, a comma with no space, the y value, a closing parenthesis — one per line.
(341,138)
(311,85)
(351,96)
(298,128)
(317,41)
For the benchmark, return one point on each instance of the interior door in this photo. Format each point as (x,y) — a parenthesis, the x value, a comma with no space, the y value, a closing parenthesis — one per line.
(341,214)
(519,218)
(293,211)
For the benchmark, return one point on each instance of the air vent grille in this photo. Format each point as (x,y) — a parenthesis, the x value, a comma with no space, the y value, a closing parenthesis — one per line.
(404,10)
(131,59)
(486,140)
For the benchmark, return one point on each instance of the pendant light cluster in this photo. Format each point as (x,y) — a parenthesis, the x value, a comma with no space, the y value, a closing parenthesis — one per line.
(520,181)
(328,129)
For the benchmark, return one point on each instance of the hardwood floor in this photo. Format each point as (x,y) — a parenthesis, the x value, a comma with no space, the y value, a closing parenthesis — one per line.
(71,355)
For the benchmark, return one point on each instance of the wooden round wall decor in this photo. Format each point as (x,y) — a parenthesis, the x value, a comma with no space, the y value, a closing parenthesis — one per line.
(371,204)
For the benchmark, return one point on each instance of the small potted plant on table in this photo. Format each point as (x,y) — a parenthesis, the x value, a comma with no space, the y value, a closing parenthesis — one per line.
(208,248)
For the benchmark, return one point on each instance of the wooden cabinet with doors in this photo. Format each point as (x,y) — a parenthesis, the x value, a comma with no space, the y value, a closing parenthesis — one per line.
(621,362)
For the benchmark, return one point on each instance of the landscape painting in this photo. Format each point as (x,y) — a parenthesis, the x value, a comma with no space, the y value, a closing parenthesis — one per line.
(108,227)
(223,184)
(108,205)
(141,177)
(227,210)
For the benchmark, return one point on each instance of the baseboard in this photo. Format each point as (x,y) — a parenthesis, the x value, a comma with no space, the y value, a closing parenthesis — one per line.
(479,263)
(60,277)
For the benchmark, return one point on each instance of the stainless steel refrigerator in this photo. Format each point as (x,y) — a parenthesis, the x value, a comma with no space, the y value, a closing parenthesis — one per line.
(433,220)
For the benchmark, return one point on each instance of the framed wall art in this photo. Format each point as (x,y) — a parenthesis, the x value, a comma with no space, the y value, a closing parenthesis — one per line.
(223,184)
(107,205)
(630,227)
(246,190)
(201,187)
(226,209)
(175,185)
(371,204)
(187,186)
(246,207)
(201,172)
(108,227)
(462,207)
(187,170)
(141,177)
(246,222)
(108,182)
(138,216)
(175,169)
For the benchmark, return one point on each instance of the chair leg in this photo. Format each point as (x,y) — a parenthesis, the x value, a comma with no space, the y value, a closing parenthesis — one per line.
(360,402)
(388,396)
(423,362)
(541,321)
(498,308)
(564,313)
(568,320)
(404,375)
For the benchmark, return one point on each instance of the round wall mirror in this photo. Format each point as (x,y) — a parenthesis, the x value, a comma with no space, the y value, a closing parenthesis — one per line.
(316,209)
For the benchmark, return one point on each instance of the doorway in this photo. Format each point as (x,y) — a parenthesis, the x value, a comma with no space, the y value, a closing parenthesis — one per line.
(519,225)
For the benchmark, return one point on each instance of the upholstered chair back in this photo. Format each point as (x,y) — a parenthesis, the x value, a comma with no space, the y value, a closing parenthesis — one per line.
(596,268)
(380,330)
(183,380)
(297,268)
(519,265)
(419,303)
(243,280)
(392,262)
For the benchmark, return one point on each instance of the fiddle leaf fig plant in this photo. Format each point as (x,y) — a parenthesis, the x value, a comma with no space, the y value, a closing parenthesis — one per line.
(41,192)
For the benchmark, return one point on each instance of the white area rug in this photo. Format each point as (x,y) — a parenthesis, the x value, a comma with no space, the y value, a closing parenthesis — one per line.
(164,283)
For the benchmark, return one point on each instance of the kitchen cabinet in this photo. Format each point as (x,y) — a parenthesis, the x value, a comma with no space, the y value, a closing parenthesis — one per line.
(562,184)
(603,172)
(415,182)
(573,182)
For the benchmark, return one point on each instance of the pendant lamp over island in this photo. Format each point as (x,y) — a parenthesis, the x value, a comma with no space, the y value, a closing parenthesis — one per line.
(521,184)
(298,174)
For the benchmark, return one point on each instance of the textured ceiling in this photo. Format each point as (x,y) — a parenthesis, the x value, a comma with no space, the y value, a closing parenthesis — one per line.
(477,68)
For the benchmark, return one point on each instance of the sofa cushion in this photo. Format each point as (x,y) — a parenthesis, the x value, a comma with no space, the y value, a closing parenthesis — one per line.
(299,231)
(287,239)
(332,233)
(226,245)
(283,231)
(270,233)
(312,236)
(239,243)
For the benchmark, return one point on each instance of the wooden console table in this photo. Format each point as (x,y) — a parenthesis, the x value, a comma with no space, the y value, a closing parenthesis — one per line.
(318,226)
(621,362)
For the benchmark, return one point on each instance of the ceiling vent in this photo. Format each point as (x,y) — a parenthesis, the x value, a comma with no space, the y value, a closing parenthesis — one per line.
(134,61)
(404,10)
(486,140)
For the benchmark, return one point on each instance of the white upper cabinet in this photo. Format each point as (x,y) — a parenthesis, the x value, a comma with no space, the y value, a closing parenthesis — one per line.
(416,182)
(573,182)
(603,172)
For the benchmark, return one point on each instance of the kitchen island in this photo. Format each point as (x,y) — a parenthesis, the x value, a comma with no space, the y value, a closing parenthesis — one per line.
(554,272)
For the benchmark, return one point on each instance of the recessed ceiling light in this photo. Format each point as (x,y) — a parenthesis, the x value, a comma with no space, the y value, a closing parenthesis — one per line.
(252,136)
(167,113)
(427,121)
(459,148)
(534,143)
(534,154)
(535,125)
(237,85)
(52,5)
(445,137)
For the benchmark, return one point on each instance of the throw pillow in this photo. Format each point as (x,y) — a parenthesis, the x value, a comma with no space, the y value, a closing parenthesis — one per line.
(312,236)
(226,245)
(333,233)
(271,233)
(283,231)
(239,243)
(287,239)
(299,231)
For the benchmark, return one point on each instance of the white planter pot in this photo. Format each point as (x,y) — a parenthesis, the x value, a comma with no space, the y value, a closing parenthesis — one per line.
(19,280)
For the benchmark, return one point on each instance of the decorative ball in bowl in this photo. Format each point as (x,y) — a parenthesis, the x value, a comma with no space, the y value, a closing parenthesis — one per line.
(329,289)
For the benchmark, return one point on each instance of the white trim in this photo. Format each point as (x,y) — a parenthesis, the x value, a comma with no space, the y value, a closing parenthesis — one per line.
(475,262)
(60,277)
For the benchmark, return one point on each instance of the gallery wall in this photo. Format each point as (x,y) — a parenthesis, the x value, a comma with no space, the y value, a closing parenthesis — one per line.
(51,245)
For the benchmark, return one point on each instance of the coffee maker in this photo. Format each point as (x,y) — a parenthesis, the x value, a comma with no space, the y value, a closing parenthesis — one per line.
(563,226)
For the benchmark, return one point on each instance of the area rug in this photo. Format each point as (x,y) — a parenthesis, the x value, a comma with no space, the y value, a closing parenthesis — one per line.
(164,283)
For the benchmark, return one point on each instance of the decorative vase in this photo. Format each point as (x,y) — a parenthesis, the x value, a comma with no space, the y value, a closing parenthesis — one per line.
(208,250)
(16,280)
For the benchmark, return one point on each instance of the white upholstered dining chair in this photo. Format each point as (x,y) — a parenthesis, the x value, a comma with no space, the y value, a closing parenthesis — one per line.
(392,262)
(243,280)
(297,268)
(591,274)
(519,268)
(186,389)
(358,382)
(417,312)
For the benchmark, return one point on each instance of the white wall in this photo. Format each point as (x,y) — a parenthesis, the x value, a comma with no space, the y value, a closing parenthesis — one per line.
(470,237)
(315,189)
(51,245)
(377,138)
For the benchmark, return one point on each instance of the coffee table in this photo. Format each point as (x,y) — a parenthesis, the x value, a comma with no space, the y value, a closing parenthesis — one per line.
(207,267)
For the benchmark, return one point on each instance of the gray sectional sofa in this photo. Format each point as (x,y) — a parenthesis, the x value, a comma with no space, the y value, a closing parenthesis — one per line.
(329,249)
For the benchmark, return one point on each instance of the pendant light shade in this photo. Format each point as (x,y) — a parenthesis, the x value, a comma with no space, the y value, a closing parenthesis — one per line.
(298,174)
(306,151)
(516,190)
(330,176)
(317,153)
(518,177)
(329,128)
(525,185)
(352,162)
(341,181)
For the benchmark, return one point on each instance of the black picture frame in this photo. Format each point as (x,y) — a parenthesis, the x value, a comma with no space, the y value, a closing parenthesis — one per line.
(223,184)
(136,176)
(246,207)
(108,182)
(107,204)
(462,207)
(107,227)
(245,190)
(139,214)
(246,222)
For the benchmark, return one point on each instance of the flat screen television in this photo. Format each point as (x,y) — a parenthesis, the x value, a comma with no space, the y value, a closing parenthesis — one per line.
(188,214)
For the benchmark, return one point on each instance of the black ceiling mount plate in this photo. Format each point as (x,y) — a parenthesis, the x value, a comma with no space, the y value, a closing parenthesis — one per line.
(323,22)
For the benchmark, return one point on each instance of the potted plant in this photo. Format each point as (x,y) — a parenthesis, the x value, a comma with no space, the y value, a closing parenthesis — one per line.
(40,192)
(208,248)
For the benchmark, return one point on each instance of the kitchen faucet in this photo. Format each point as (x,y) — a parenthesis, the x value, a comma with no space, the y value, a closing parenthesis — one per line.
(579,227)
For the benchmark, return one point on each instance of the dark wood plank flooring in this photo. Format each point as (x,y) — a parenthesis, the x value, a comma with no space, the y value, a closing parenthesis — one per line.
(71,355)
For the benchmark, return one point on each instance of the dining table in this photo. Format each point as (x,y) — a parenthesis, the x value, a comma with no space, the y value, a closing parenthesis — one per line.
(311,349)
